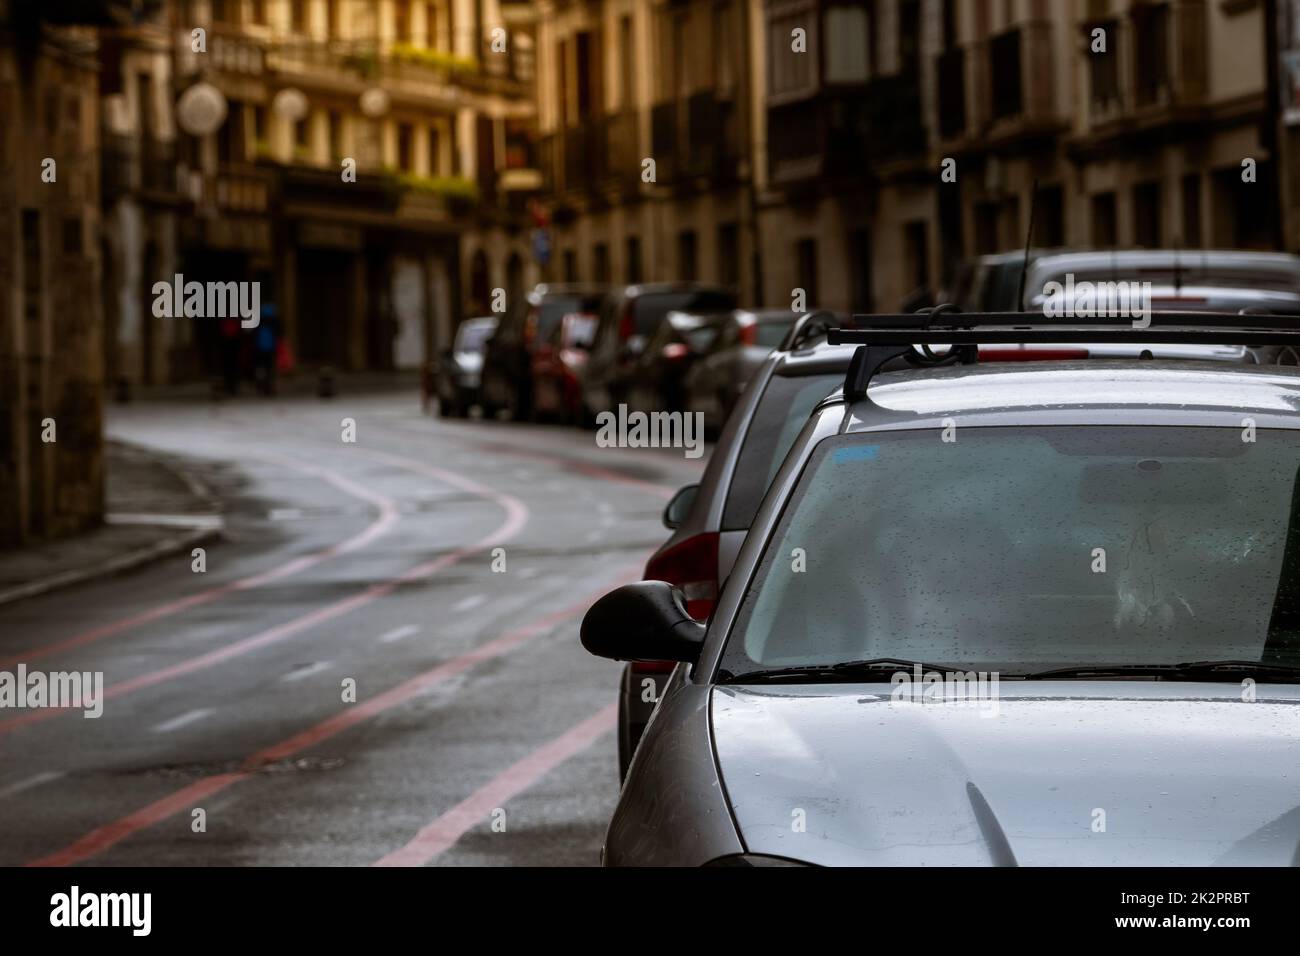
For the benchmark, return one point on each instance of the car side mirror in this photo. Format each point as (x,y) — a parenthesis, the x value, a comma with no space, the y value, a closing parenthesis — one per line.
(679,507)
(646,621)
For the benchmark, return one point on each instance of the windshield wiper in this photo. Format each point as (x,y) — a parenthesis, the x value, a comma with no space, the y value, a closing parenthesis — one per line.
(828,673)
(1188,670)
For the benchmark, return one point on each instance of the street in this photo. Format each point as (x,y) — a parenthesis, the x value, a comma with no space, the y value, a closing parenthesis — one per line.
(379,664)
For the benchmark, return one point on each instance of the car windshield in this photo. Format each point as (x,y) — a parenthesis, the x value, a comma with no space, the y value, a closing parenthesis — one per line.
(781,413)
(649,309)
(1022,549)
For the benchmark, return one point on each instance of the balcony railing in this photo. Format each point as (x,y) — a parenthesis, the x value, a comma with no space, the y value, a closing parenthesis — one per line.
(131,166)
(839,135)
(696,137)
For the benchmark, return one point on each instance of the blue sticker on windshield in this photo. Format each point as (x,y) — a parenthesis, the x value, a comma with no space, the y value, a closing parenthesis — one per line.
(843,456)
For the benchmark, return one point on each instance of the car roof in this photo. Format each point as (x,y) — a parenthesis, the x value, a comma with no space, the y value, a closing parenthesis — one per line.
(1092,391)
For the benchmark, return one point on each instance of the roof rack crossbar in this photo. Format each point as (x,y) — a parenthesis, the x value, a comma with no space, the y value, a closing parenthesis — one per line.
(884,338)
(971,320)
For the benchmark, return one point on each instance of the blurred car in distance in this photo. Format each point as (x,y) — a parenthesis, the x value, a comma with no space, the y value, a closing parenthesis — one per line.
(557,368)
(1169,269)
(745,340)
(991,283)
(628,317)
(508,363)
(656,381)
(457,373)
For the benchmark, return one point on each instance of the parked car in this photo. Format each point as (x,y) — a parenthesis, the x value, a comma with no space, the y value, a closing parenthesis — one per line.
(885,563)
(557,368)
(508,364)
(628,317)
(1174,269)
(657,379)
(709,520)
(746,338)
(991,283)
(457,373)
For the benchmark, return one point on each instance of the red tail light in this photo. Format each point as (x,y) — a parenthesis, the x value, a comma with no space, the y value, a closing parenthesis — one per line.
(1031,355)
(626,325)
(749,334)
(675,350)
(692,565)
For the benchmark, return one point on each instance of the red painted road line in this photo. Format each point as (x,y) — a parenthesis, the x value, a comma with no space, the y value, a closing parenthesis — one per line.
(102,838)
(446,831)
(592,471)
(387,516)
(516,518)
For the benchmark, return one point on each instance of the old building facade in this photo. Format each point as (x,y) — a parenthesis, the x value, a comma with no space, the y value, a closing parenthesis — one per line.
(51,366)
(837,120)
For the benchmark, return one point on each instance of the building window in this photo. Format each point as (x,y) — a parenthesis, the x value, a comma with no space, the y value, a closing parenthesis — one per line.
(1150,52)
(402,21)
(1192,210)
(336,135)
(847,54)
(600,262)
(223,11)
(1146,215)
(687,254)
(298,15)
(300,136)
(1103,68)
(334,13)
(805,259)
(1004,74)
(570,266)
(405,140)
(627,64)
(73,236)
(729,254)
(1049,227)
(909,37)
(259,12)
(435,152)
(632,260)
(789,72)
(1105,231)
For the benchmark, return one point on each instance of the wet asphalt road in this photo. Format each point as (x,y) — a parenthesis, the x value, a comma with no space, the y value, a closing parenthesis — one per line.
(481,732)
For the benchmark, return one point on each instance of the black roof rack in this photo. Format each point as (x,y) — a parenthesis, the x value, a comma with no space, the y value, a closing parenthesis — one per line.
(884,338)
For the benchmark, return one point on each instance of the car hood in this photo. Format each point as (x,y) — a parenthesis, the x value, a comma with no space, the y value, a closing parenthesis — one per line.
(1048,773)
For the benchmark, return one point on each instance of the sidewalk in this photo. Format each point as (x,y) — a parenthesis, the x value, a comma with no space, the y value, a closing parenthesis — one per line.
(153,509)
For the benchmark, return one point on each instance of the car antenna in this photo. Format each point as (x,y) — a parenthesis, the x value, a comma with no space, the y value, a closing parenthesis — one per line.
(1029,239)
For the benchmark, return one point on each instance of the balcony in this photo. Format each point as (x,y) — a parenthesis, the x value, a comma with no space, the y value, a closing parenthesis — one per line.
(696,139)
(1016,82)
(841,135)
(144,169)
(622,156)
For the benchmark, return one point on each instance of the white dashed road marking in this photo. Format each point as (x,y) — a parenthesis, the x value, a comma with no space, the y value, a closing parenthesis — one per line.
(398,634)
(314,668)
(33,781)
(167,726)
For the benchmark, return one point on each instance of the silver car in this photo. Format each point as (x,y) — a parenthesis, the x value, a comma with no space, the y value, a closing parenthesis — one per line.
(1034,614)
